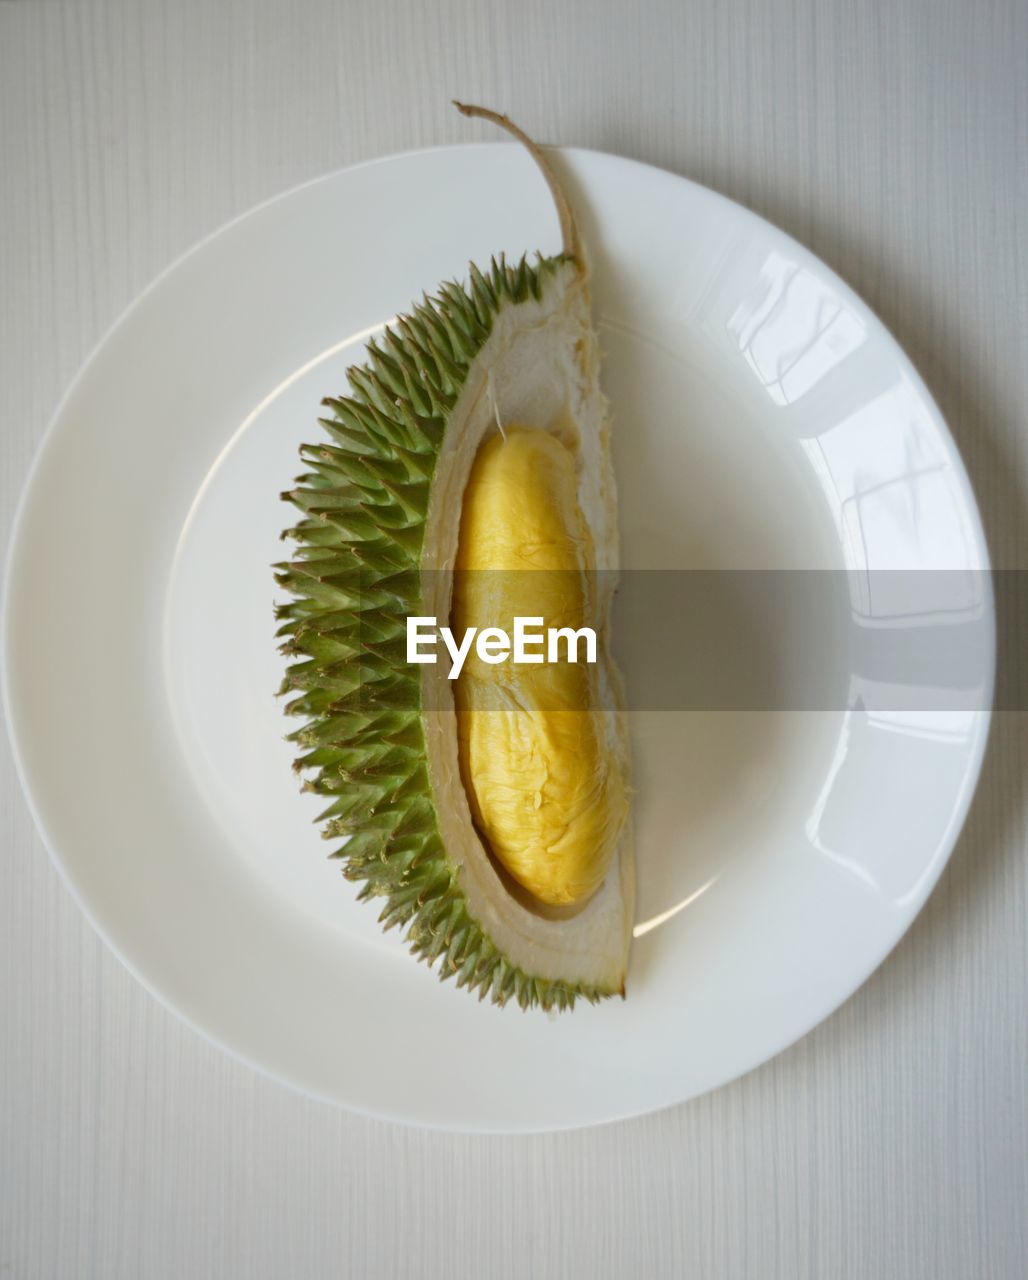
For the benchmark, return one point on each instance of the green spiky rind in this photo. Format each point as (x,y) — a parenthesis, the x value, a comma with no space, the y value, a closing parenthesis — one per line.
(353,579)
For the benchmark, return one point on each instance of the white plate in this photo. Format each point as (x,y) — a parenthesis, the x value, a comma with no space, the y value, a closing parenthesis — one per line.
(764,419)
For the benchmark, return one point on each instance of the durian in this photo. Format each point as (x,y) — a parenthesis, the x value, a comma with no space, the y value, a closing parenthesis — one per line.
(475,438)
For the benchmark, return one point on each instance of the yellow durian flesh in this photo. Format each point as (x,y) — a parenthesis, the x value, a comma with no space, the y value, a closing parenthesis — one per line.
(546,789)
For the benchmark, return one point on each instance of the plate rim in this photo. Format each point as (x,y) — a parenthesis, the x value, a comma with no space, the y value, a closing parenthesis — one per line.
(984,717)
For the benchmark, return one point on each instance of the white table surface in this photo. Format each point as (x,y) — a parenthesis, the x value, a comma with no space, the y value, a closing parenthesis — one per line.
(892,139)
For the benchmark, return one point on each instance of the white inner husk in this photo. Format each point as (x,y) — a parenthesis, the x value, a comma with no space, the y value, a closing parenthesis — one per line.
(540,366)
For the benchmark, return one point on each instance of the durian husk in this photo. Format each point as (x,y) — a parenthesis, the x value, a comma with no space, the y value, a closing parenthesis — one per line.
(380,509)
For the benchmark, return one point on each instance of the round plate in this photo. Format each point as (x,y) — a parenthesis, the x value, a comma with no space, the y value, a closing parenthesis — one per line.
(764,420)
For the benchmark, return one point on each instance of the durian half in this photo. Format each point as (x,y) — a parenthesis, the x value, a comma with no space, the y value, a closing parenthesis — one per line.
(381,507)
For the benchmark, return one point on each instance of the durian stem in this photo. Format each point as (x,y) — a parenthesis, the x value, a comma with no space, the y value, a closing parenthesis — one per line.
(568,229)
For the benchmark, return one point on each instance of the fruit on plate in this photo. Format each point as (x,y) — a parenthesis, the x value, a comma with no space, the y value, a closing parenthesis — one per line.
(465,477)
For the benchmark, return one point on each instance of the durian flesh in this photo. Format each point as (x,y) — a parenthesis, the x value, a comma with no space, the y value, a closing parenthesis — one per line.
(546,790)
(378,540)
